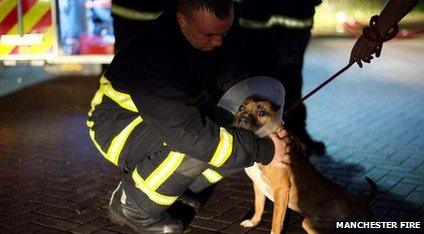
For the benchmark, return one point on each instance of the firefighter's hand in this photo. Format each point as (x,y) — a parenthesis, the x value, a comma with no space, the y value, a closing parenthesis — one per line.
(363,49)
(282,149)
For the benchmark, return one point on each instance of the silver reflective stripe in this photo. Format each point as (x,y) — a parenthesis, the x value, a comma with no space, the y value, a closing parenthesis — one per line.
(289,22)
(113,193)
(277,20)
(133,14)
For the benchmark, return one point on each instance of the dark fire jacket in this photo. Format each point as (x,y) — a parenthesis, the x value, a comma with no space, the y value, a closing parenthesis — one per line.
(292,14)
(159,95)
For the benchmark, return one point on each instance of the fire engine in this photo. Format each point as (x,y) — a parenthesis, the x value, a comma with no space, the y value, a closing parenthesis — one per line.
(42,32)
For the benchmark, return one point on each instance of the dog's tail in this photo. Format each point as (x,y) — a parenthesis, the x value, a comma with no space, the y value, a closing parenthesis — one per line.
(373,192)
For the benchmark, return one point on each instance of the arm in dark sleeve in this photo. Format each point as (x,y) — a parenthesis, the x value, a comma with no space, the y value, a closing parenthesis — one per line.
(167,110)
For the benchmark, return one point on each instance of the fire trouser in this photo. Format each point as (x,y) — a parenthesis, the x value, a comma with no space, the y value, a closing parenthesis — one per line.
(155,180)
(155,183)
(154,175)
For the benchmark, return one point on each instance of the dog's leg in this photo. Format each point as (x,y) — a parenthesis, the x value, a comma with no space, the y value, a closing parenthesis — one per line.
(259,208)
(281,201)
(308,225)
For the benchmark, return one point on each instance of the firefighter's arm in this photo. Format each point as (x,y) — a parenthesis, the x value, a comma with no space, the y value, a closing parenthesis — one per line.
(167,109)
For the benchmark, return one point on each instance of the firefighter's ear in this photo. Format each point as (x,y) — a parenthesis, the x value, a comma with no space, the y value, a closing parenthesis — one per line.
(181,18)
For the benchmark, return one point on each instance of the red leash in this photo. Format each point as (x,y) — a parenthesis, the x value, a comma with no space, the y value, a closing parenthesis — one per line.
(317,88)
(371,34)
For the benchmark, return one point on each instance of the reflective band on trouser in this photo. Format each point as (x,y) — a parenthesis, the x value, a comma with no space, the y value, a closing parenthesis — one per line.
(118,142)
(122,99)
(158,177)
(133,14)
(164,170)
(277,20)
(125,101)
(221,155)
(152,194)
(212,176)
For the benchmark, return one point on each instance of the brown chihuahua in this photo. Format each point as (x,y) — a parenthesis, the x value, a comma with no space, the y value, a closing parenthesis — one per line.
(299,186)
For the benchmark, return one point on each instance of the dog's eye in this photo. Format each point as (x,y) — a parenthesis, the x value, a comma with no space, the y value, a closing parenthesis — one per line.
(242,108)
(261,113)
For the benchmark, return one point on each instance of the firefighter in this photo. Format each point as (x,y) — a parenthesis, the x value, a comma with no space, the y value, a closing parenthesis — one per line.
(130,16)
(276,34)
(371,42)
(154,115)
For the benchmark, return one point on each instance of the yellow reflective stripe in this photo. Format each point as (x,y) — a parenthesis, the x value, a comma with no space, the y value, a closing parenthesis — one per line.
(164,170)
(93,139)
(97,99)
(133,14)
(37,11)
(6,7)
(118,142)
(151,193)
(277,20)
(212,176)
(90,124)
(224,149)
(43,47)
(123,99)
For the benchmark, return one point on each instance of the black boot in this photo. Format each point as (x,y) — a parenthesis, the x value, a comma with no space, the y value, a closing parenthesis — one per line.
(197,200)
(123,210)
(191,201)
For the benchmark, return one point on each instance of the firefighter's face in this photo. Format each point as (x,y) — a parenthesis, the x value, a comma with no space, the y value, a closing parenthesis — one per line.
(203,29)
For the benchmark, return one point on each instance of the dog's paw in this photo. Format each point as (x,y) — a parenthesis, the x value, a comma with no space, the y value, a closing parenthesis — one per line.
(248,223)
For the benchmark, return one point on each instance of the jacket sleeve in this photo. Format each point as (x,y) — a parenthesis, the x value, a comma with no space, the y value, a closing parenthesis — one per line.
(167,109)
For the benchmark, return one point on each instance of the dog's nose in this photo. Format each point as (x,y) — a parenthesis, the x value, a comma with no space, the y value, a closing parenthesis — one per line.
(244,120)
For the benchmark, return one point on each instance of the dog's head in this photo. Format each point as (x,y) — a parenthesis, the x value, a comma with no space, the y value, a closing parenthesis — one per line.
(254,112)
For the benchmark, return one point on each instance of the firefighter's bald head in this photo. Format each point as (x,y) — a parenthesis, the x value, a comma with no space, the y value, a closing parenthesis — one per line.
(204,23)
(220,8)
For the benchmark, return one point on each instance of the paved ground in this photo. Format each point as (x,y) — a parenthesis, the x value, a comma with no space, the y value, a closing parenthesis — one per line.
(52,180)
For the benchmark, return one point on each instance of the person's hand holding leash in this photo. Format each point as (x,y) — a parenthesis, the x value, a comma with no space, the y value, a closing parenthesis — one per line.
(363,50)
(381,29)
(370,42)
